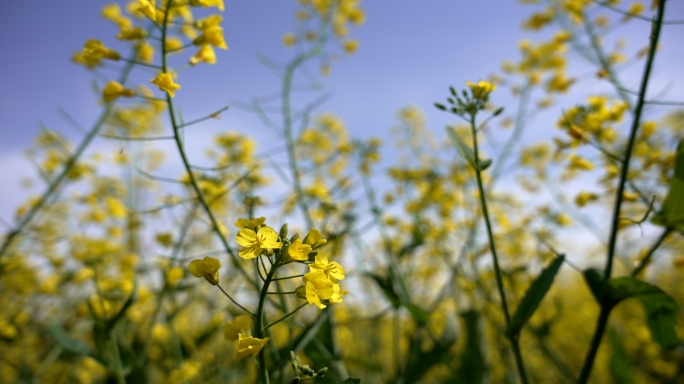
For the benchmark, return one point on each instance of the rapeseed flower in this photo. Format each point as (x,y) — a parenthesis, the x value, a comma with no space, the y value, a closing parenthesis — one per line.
(165,83)
(299,251)
(207,268)
(255,242)
(248,345)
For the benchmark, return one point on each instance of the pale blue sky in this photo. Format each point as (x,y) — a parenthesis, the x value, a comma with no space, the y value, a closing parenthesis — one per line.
(410,52)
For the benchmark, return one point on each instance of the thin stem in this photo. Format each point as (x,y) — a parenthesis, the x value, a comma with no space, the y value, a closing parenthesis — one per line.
(285,317)
(186,162)
(605,304)
(644,262)
(499,281)
(235,302)
(259,322)
(289,277)
(213,115)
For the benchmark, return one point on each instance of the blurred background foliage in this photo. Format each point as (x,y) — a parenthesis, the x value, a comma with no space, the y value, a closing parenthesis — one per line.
(94,279)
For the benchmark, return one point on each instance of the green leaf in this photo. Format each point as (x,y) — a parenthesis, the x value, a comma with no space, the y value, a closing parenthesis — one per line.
(465,151)
(619,364)
(419,314)
(534,296)
(594,280)
(484,164)
(67,342)
(473,364)
(386,286)
(672,213)
(461,147)
(661,309)
(350,380)
(420,360)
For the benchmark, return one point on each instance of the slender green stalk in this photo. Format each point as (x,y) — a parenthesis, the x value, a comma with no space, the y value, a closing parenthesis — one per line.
(605,304)
(285,317)
(235,302)
(260,320)
(644,262)
(499,281)
(186,163)
(287,118)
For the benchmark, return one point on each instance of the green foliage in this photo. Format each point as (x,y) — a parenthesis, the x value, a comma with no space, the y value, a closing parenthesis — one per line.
(534,296)
(672,213)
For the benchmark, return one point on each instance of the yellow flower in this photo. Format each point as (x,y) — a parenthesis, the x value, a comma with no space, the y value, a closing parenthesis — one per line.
(254,242)
(165,82)
(250,224)
(299,251)
(212,36)
(208,3)
(317,288)
(314,239)
(145,52)
(249,345)
(482,89)
(289,40)
(114,90)
(585,197)
(333,271)
(173,276)
(337,294)
(135,33)
(147,8)
(205,54)
(207,268)
(350,46)
(93,52)
(577,162)
(240,324)
(211,21)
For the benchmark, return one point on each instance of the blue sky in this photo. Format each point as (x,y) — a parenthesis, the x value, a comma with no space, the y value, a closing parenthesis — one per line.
(410,52)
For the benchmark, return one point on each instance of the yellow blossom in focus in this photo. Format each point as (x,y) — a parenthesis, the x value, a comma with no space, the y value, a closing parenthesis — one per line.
(207,268)
(248,345)
(314,238)
(250,224)
(93,52)
(317,288)
(299,251)
(333,271)
(254,242)
(205,54)
(240,324)
(165,83)
(114,90)
(482,89)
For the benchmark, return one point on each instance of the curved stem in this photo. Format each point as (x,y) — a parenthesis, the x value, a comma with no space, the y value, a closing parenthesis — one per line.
(260,320)
(499,281)
(186,163)
(285,317)
(605,304)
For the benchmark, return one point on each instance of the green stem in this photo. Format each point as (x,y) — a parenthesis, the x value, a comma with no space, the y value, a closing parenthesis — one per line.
(651,251)
(285,317)
(287,119)
(260,320)
(186,163)
(612,243)
(499,281)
